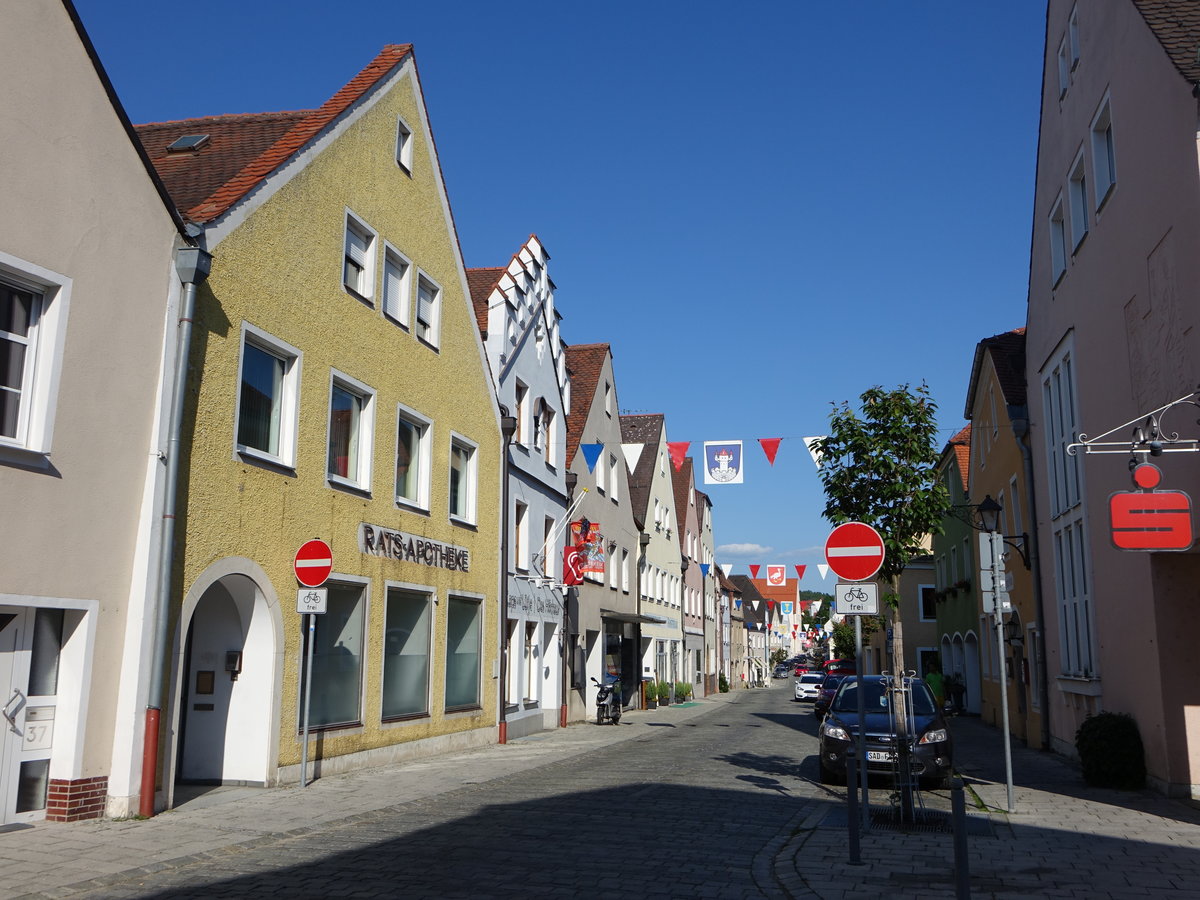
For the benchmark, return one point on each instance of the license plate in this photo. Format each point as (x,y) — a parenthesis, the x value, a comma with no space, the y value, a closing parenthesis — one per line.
(880,756)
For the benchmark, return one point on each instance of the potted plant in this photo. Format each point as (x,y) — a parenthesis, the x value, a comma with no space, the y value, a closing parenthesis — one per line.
(664,693)
(651,690)
(683,691)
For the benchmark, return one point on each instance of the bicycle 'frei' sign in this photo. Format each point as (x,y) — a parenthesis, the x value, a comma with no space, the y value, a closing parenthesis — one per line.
(1149,519)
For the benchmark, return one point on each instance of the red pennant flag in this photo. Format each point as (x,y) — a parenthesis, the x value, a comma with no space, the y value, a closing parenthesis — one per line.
(769,626)
(770,447)
(678,451)
(754,571)
(770,604)
(800,572)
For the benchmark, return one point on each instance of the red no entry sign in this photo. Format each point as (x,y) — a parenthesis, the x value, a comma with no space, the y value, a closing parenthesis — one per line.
(854,551)
(314,562)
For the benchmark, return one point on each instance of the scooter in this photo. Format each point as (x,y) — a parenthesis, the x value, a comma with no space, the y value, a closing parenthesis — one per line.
(608,706)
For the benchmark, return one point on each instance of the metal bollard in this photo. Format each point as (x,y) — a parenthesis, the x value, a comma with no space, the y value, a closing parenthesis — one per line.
(852,808)
(958,807)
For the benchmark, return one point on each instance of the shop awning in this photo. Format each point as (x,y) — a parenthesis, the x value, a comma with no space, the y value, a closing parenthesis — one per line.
(635,618)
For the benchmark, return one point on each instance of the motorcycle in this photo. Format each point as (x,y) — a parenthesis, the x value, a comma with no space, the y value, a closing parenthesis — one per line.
(608,704)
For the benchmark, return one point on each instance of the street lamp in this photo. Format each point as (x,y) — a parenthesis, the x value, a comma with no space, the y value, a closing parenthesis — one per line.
(991,563)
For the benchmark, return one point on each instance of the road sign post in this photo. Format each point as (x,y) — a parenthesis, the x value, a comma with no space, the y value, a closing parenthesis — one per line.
(312,565)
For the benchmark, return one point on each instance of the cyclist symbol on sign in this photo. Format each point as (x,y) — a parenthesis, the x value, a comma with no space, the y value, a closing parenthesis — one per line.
(857,595)
(311,600)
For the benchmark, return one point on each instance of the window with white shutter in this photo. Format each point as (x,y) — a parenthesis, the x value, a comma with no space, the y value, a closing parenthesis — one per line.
(358,266)
(429,301)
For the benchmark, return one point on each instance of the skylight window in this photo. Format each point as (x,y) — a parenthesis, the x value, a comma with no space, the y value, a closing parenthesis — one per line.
(187,142)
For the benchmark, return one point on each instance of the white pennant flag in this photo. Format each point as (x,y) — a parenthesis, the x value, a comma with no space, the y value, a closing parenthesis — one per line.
(816,607)
(725,567)
(816,457)
(633,452)
(824,570)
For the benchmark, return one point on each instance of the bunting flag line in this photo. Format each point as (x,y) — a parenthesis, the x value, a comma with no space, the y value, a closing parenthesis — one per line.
(726,567)
(723,462)
(776,576)
(753,570)
(737,602)
(633,452)
(591,453)
(678,451)
(757,604)
(785,607)
(816,456)
(800,572)
(704,569)
(824,570)
(770,447)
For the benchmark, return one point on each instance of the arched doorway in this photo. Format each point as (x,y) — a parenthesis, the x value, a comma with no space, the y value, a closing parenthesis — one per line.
(972,673)
(229,674)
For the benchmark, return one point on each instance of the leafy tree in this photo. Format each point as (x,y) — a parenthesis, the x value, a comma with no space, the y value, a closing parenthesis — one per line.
(880,467)
(844,641)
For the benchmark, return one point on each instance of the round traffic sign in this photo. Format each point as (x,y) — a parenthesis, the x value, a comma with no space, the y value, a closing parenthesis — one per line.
(854,551)
(314,562)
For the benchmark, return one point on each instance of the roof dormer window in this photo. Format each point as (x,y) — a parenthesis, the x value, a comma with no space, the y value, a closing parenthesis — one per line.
(187,143)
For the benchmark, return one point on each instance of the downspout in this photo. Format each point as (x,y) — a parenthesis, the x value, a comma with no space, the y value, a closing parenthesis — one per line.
(570,481)
(1019,417)
(192,265)
(508,427)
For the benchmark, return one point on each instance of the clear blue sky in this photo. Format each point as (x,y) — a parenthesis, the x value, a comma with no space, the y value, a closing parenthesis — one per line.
(764,208)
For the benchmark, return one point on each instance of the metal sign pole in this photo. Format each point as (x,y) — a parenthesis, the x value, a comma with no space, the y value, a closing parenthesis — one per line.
(860,747)
(312,633)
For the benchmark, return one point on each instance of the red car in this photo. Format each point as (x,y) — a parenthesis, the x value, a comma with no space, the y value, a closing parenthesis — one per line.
(839,667)
(800,670)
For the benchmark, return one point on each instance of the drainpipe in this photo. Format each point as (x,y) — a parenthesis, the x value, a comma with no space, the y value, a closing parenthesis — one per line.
(1019,416)
(508,427)
(192,264)
(571,479)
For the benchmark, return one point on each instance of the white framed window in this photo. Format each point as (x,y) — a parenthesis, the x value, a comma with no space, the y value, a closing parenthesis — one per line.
(521,411)
(1064,68)
(337,659)
(1077,189)
(463,465)
(614,479)
(358,258)
(1058,241)
(407,639)
(521,536)
(532,682)
(1073,35)
(404,145)
(413,439)
(397,285)
(608,398)
(464,643)
(1074,598)
(625,570)
(429,309)
(547,551)
(601,476)
(1104,154)
(33,316)
(268,401)
(351,432)
(1058,398)
(549,442)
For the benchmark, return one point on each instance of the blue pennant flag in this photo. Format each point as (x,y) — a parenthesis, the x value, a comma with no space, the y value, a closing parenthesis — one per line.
(737,603)
(704,569)
(591,453)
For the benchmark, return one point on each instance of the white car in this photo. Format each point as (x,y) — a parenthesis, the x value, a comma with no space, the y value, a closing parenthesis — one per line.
(808,685)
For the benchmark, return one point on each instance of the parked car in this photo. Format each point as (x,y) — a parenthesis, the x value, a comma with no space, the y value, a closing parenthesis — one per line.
(839,667)
(808,685)
(781,671)
(932,749)
(829,686)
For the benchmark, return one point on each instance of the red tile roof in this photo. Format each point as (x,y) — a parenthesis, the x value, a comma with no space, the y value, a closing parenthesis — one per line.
(585,362)
(1176,24)
(481,283)
(961,443)
(1007,351)
(223,172)
(681,481)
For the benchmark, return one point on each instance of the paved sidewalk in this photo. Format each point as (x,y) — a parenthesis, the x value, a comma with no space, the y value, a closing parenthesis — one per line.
(1064,839)
(58,860)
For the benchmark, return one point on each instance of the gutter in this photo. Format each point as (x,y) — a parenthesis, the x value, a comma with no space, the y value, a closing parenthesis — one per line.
(192,264)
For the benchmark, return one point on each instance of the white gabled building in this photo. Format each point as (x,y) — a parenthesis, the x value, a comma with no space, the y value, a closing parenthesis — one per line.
(514,306)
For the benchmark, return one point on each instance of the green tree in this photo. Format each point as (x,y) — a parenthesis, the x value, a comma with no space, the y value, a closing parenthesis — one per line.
(879,466)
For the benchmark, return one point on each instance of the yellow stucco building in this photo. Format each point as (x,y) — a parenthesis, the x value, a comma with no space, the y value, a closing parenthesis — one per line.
(339,391)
